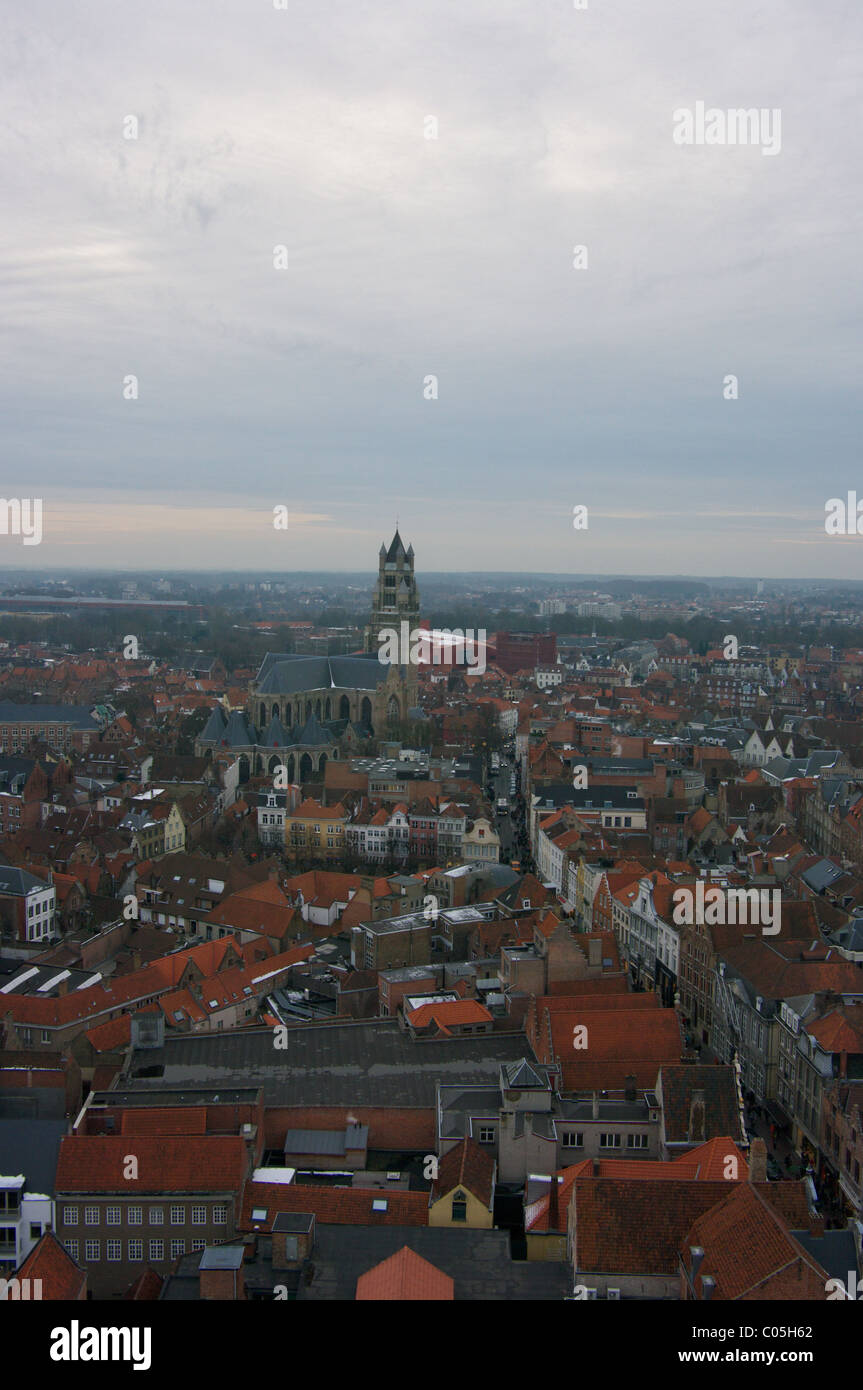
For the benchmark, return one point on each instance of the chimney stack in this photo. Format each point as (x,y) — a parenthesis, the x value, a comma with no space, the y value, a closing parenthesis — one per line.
(595,1105)
(629,1089)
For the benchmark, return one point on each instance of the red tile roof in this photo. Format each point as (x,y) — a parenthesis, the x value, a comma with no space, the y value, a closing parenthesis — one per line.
(747,1245)
(335,1206)
(449,1013)
(405,1276)
(97,1163)
(466,1165)
(62,1280)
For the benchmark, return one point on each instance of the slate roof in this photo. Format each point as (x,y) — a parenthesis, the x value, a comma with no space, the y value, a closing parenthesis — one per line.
(283,673)
(521,1075)
(19,881)
(214,727)
(396,546)
(313,734)
(275,737)
(78,716)
(237,734)
(30,1146)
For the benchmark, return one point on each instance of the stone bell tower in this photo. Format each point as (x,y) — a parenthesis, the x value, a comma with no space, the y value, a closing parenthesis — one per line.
(396,597)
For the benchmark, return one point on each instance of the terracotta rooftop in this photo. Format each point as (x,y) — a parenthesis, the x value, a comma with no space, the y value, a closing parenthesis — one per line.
(405,1276)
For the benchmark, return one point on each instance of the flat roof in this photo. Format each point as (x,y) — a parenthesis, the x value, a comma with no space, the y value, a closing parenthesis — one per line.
(355,1063)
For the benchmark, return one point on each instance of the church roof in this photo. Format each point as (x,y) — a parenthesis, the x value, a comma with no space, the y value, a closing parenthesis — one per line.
(275,737)
(396,548)
(283,673)
(313,734)
(237,734)
(214,727)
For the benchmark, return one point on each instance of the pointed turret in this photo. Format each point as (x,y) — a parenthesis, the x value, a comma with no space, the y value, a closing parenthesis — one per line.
(214,728)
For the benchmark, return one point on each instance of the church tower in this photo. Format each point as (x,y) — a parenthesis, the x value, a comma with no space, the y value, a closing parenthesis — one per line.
(396,597)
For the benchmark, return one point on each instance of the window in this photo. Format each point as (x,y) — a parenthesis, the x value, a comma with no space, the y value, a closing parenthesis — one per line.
(486,1135)
(136,1250)
(609,1141)
(178,1247)
(112,1216)
(114,1249)
(573,1140)
(157,1251)
(92,1250)
(35,1230)
(459,1206)
(220,1216)
(135,1215)
(198,1245)
(71,1248)
(91,1216)
(70,1216)
(178,1216)
(199,1216)
(157,1216)
(636,1141)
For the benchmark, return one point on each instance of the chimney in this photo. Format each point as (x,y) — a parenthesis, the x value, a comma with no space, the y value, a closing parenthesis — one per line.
(595,1104)
(221,1274)
(629,1088)
(697,1126)
(696,1255)
(553,1205)
(708,1284)
(594,952)
(758,1161)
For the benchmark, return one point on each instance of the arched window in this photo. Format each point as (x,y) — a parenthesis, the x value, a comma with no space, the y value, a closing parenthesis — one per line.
(344,708)
(366,710)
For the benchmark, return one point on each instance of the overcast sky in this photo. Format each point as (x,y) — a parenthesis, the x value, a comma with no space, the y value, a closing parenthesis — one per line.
(408,256)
